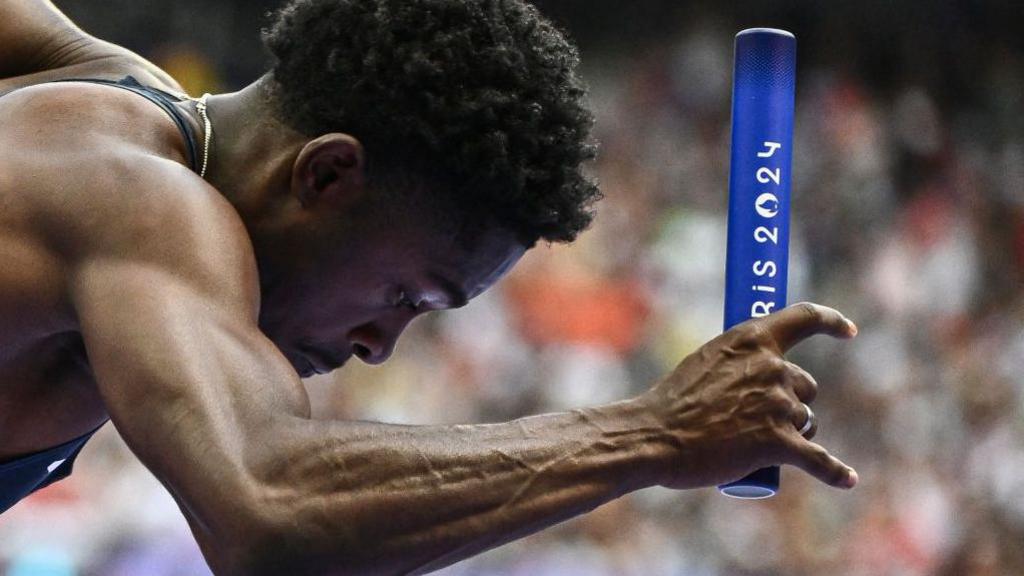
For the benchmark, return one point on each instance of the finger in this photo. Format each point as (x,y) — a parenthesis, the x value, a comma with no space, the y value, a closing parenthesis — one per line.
(801,381)
(800,321)
(816,461)
(805,422)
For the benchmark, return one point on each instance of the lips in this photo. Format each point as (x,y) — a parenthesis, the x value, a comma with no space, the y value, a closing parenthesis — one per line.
(321,361)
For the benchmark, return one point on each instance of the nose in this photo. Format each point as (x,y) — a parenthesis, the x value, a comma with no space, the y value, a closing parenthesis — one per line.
(374,342)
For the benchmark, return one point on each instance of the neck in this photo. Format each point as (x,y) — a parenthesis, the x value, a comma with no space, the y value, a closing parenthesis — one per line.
(251,153)
(251,160)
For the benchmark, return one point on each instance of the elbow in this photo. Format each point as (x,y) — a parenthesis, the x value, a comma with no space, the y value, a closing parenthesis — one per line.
(270,539)
(244,533)
(259,544)
(258,556)
(285,520)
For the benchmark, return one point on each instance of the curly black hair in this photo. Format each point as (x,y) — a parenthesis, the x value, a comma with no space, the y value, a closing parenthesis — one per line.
(481,97)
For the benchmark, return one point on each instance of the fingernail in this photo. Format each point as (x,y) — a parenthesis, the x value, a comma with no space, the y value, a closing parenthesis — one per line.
(852,326)
(852,478)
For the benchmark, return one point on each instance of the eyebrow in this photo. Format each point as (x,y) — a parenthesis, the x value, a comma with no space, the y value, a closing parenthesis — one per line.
(452,291)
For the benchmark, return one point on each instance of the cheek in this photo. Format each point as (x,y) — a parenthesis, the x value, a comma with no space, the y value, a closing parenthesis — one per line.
(345,301)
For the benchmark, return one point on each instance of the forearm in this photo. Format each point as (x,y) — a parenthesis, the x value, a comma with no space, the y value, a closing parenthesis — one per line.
(211,407)
(374,498)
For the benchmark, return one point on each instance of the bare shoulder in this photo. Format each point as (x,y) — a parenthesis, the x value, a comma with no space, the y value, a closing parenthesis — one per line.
(146,212)
(95,188)
(82,118)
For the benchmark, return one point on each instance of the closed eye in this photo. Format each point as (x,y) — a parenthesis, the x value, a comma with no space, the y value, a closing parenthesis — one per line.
(404,301)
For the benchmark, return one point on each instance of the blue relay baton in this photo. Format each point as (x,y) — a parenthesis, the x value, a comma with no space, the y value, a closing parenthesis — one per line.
(757,253)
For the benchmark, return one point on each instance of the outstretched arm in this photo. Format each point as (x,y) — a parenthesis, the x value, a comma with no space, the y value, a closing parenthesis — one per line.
(33,35)
(211,407)
(39,43)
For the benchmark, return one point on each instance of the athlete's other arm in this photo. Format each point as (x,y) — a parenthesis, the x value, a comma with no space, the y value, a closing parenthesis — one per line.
(36,40)
(167,298)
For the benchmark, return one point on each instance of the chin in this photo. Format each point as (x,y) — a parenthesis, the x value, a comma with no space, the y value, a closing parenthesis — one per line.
(304,369)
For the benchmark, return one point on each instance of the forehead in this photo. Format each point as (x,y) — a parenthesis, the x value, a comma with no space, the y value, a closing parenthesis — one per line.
(415,229)
(476,265)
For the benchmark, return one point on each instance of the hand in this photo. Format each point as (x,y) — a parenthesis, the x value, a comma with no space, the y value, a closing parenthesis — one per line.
(734,405)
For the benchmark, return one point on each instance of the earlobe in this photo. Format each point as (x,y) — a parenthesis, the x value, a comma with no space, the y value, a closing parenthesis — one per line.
(329,169)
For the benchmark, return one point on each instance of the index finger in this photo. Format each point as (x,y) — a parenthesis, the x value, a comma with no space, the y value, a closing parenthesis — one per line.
(798,322)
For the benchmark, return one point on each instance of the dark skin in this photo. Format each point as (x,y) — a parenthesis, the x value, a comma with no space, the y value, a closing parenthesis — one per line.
(185,311)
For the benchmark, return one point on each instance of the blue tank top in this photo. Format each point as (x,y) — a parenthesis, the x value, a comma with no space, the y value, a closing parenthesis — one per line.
(26,474)
(23,476)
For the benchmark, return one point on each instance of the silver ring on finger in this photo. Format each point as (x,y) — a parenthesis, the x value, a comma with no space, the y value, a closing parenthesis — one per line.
(810,420)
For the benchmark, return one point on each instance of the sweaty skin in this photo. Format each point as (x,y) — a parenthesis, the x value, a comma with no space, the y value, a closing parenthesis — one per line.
(185,311)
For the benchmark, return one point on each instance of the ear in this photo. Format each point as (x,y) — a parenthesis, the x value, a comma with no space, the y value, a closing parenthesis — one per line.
(330,170)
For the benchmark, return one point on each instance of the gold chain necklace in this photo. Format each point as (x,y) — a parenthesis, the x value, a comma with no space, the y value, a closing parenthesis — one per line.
(207,130)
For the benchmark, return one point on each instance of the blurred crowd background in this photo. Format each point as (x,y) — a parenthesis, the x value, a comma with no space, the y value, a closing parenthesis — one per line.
(908,216)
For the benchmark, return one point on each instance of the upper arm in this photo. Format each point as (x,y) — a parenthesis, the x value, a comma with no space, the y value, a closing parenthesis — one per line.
(38,43)
(168,316)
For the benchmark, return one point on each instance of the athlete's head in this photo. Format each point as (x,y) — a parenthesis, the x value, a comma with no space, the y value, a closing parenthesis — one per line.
(448,135)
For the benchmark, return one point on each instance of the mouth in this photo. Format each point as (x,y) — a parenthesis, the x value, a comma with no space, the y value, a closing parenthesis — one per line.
(319,361)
